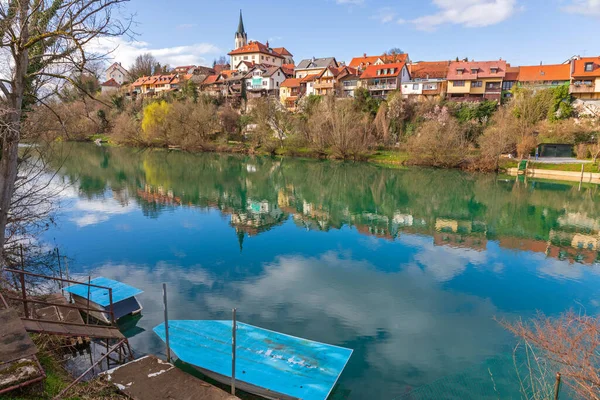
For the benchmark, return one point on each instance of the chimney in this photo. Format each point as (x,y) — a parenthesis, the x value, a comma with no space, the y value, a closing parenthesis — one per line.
(365,55)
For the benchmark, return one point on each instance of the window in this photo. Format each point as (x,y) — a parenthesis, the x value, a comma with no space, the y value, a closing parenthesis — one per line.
(494,70)
(277,83)
(253,57)
(474,70)
(278,73)
(476,84)
(589,67)
(507,85)
(458,83)
(430,86)
(245,57)
(265,83)
(415,86)
(262,57)
(459,71)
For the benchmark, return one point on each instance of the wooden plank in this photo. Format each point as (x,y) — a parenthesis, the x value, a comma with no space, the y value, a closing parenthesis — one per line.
(15,343)
(57,328)
(150,378)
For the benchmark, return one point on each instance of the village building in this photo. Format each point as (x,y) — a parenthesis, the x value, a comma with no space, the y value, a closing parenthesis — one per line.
(213,85)
(361,63)
(314,66)
(110,86)
(289,93)
(264,80)
(585,78)
(256,52)
(118,73)
(544,76)
(475,80)
(308,84)
(511,79)
(348,81)
(428,80)
(382,79)
(158,84)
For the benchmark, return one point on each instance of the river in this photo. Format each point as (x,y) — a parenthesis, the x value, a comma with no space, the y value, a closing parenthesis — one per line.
(410,268)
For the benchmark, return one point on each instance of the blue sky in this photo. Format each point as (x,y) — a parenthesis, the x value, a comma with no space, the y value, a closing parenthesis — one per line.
(521,31)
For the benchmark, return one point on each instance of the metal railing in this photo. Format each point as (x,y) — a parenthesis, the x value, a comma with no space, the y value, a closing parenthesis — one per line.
(25,300)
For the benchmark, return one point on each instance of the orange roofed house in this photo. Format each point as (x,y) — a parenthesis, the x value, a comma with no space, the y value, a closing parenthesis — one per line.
(544,76)
(290,93)
(427,80)
(155,84)
(476,80)
(382,79)
(585,78)
(331,80)
(361,63)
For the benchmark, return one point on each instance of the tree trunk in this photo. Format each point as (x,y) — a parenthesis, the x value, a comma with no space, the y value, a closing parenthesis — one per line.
(12,136)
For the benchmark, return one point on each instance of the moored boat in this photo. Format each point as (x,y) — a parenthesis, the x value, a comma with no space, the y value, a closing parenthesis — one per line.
(267,363)
(123,299)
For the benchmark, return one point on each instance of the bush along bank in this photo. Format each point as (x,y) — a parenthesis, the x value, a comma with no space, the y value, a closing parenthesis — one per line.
(435,133)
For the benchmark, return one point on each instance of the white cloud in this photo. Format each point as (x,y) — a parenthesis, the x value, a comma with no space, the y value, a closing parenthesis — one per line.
(384,15)
(469,13)
(350,2)
(585,7)
(126,52)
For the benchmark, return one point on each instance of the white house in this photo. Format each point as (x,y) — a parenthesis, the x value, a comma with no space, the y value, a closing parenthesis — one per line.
(118,73)
(264,79)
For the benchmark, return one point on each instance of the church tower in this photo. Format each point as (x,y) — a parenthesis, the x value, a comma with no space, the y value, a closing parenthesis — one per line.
(241,38)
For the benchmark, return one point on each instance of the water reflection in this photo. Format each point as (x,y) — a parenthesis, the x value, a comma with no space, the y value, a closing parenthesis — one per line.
(259,194)
(408,268)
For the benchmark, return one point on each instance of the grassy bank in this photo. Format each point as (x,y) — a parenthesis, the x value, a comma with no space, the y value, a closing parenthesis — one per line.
(574,167)
(58,378)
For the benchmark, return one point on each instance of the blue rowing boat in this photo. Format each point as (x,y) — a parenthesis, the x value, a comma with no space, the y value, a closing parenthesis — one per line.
(268,363)
(123,298)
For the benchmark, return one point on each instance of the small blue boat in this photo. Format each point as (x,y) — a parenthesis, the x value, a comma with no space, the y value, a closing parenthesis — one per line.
(269,364)
(123,298)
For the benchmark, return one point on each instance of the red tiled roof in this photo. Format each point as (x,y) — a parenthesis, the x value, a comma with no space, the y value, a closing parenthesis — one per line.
(309,78)
(482,70)
(111,83)
(536,73)
(210,79)
(579,67)
(386,70)
(283,51)
(357,61)
(365,59)
(255,47)
(291,83)
(429,70)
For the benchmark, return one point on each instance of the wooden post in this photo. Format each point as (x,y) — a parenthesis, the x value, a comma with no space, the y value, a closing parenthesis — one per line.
(87,313)
(557,386)
(67,273)
(166,322)
(233,345)
(61,283)
(23,291)
(112,309)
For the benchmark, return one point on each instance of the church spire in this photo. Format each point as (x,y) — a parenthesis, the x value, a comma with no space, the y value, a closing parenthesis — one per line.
(241,30)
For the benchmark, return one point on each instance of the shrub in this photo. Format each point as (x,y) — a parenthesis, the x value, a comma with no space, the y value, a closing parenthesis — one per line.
(439,144)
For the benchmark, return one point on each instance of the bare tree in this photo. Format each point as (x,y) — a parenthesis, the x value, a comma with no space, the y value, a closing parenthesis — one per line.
(571,341)
(143,65)
(44,42)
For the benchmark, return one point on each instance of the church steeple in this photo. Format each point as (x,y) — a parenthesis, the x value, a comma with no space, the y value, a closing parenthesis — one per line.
(241,38)
(241,30)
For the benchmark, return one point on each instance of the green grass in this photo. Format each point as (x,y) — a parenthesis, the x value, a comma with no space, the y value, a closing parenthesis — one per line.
(389,157)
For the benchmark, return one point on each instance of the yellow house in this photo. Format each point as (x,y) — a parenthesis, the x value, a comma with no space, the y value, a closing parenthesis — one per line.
(289,93)
(585,78)
(475,81)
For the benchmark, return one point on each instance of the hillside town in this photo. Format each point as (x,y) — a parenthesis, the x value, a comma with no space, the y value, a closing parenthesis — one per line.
(256,70)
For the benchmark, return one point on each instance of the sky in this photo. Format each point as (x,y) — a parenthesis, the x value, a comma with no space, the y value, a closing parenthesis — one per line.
(523,32)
